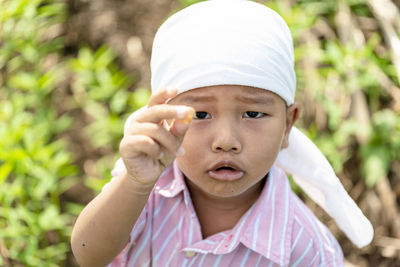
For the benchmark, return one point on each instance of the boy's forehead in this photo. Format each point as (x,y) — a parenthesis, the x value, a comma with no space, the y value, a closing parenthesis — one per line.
(241,93)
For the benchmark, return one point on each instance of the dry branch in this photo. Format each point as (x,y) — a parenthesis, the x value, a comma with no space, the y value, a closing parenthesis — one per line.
(388,16)
(391,246)
(350,33)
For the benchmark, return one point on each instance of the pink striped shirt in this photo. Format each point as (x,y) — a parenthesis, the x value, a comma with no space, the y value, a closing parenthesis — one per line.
(278,230)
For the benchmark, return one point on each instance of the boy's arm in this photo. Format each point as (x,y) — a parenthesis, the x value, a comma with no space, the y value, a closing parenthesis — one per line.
(102,229)
(147,148)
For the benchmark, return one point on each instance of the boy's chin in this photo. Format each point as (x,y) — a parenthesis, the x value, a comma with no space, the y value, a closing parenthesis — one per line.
(216,190)
(230,189)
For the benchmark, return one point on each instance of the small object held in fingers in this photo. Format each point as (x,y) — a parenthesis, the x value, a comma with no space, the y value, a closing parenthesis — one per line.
(188,118)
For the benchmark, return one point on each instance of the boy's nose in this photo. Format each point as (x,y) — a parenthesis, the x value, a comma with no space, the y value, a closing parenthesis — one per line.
(226,141)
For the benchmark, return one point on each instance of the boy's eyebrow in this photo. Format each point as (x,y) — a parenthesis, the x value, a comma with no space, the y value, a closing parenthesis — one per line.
(264,100)
(194,99)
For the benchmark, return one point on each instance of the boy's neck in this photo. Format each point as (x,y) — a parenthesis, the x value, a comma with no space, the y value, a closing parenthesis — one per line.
(220,214)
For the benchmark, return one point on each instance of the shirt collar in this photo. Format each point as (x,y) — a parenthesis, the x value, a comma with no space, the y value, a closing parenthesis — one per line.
(271,214)
(174,186)
(270,229)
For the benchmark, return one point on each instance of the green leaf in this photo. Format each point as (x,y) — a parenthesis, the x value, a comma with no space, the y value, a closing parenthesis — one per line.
(5,170)
(95,183)
(74,208)
(104,57)
(50,219)
(375,165)
(86,58)
(30,53)
(24,81)
(119,101)
(375,169)
(139,98)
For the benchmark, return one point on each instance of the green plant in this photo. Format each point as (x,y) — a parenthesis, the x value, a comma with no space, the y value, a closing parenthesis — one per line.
(34,165)
(383,147)
(335,75)
(100,91)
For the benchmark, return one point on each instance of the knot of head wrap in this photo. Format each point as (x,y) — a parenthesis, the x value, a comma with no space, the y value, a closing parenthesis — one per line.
(224,42)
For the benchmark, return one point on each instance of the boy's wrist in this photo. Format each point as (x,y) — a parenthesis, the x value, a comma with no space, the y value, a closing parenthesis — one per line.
(141,187)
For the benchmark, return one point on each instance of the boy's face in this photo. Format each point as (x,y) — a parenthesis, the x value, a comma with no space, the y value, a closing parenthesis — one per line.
(234,138)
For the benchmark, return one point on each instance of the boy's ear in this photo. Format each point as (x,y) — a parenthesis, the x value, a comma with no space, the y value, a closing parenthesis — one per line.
(292,113)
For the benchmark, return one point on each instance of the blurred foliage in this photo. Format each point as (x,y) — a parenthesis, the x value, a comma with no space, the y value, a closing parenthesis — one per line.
(332,72)
(36,166)
(383,146)
(347,90)
(100,91)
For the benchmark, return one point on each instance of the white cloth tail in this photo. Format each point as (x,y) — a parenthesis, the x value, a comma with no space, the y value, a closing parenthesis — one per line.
(313,173)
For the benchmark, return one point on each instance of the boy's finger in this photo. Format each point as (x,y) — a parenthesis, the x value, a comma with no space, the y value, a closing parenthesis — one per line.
(133,144)
(159,113)
(159,134)
(162,96)
(179,128)
(167,157)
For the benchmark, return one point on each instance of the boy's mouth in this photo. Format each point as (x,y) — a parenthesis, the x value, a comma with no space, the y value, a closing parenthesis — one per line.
(225,171)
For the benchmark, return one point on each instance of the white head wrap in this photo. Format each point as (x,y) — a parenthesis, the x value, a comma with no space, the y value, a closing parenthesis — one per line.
(224,42)
(241,42)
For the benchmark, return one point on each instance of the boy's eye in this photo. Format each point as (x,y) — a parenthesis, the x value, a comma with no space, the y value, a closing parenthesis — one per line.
(253,114)
(201,115)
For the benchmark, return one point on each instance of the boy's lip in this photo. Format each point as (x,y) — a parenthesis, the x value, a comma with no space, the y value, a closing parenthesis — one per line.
(225,171)
(225,163)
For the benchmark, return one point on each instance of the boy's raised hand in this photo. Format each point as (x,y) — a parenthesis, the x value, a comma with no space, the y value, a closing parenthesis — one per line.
(150,145)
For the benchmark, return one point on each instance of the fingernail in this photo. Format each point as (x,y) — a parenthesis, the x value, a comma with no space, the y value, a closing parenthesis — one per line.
(161,155)
(180,152)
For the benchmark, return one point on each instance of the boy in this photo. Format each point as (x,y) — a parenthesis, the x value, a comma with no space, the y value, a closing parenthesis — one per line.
(222,202)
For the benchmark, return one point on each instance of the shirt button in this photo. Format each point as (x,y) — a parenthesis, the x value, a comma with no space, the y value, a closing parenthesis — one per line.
(190,254)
